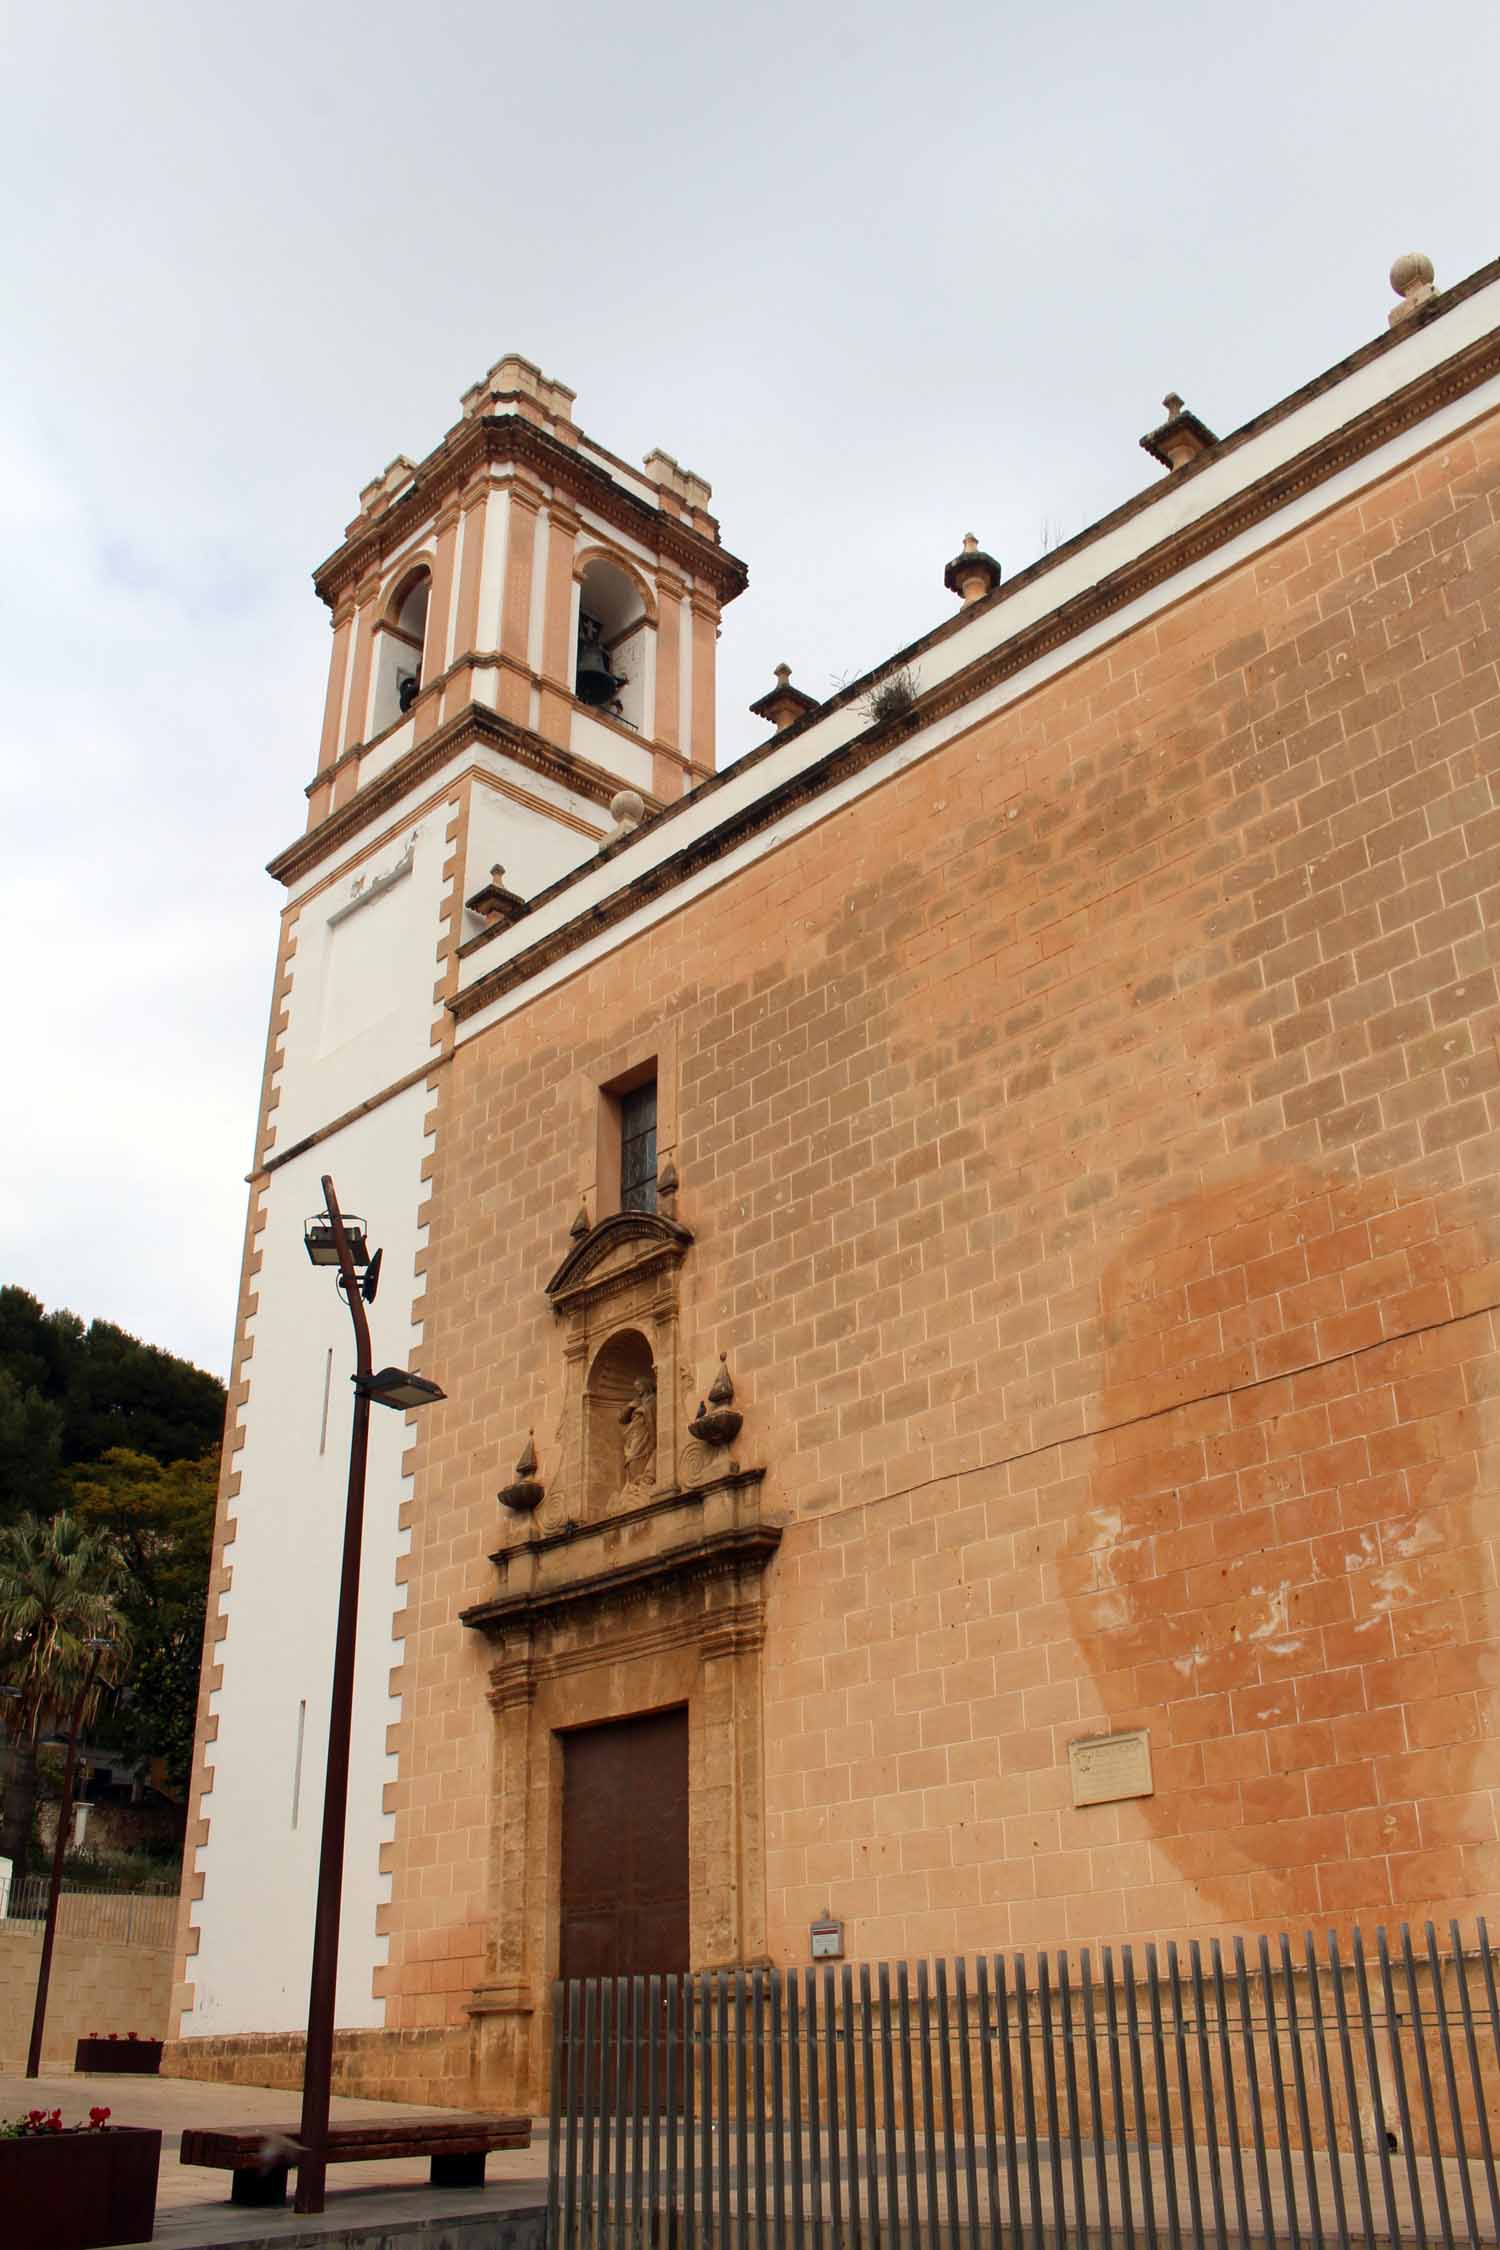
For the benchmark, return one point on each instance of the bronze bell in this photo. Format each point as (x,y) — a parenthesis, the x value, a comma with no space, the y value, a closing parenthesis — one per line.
(596,684)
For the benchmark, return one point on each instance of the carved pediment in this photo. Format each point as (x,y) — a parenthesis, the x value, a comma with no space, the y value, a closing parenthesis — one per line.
(622,1249)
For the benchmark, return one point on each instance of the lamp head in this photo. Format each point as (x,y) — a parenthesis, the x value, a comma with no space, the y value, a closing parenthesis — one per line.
(322,1241)
(393,1386)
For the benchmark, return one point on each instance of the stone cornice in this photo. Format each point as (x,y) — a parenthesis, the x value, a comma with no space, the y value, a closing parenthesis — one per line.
(510,438)
(1327,457)
(739,1549)
(476,723)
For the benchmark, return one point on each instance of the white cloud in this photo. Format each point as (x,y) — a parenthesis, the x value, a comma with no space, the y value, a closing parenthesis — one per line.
(883,279)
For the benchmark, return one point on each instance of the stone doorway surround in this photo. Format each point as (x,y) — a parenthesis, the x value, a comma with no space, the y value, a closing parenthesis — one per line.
(637,1585)
(658,1605)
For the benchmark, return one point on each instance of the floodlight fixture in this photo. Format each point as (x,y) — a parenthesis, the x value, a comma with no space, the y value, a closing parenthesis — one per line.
(321,1238)
(393,1386)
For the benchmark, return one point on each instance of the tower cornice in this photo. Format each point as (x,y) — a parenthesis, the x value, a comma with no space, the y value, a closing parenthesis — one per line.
(492,439)
(476,723)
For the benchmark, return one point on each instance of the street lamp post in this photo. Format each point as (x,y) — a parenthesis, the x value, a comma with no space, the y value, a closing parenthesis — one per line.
(59,1849)
(334,1240)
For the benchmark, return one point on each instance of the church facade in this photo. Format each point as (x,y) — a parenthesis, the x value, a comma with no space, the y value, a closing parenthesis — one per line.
(962,1252)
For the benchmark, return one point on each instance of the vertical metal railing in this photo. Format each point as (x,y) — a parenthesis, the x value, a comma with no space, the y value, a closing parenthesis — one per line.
(146,1917)
(1267,2094)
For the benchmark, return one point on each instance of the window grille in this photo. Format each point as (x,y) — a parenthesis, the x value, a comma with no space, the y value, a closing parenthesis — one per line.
(638,1148)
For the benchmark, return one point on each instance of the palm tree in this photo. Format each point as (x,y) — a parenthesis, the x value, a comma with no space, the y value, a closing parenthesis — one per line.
(60,1587)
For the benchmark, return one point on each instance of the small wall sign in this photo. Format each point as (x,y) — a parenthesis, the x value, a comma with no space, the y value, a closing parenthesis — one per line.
(827,1940)
(1106,1767)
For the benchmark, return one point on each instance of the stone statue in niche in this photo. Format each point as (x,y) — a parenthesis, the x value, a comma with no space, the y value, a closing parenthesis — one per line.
(638,1451)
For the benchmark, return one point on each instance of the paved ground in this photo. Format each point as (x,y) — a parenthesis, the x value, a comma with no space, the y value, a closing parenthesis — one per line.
(193,2205)
(373,2206)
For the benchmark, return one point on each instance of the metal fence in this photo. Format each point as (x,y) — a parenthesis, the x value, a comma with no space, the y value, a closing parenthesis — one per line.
(1276,2094)
(121,1917)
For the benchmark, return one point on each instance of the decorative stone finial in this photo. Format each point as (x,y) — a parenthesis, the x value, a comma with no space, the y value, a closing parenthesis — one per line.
(785,704)
(1411,278)
(1181,438)
(627,809)
(717,1422)
(667,1182)
(526,1494)
(378,494)
(972,573)
(495,902)
(580,1226)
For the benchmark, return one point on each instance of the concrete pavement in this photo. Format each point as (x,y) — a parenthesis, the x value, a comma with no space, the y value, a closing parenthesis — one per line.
(382,2206)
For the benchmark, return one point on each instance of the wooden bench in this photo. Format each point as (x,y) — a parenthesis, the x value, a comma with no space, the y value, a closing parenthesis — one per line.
(260,2156)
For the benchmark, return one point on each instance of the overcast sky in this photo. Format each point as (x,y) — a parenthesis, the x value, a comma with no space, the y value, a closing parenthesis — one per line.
(882,274)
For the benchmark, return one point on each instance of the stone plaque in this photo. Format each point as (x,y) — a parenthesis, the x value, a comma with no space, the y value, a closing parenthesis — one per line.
(1106,1767)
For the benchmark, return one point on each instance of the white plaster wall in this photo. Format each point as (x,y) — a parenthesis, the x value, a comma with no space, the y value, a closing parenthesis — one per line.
(361,1008)
(532,849)
(260,1864)
(607,747)
(392,747)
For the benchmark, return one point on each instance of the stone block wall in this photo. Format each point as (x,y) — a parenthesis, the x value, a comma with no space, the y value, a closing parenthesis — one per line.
(1090,1140)
(412,2066)
(97,1984)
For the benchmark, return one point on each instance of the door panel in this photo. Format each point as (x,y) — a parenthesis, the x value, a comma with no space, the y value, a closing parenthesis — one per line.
(625,1875)
(625,1848)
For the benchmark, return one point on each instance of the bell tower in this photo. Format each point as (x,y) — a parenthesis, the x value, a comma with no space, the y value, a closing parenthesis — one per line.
(523,628)
(524,572)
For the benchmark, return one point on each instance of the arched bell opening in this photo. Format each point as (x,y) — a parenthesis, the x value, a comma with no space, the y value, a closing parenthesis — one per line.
(613,623)
(619,1407)
(400,639)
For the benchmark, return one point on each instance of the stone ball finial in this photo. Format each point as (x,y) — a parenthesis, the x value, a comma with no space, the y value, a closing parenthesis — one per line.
(627,809)
(783,673)
(1412,280)
(1172,402)
(1410,267)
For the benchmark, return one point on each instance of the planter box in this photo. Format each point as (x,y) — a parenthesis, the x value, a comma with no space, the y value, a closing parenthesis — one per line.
(139,2057)
(79,2191)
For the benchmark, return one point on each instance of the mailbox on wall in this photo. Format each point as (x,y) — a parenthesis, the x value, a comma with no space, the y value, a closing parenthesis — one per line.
(827,1940)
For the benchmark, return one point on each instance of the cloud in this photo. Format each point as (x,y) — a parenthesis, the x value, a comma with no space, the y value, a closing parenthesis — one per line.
(882,281)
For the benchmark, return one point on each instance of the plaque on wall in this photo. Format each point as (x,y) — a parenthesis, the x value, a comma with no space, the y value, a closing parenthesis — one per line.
(1107,1767)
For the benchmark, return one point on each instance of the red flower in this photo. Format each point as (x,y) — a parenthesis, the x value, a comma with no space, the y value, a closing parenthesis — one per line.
(98,2119)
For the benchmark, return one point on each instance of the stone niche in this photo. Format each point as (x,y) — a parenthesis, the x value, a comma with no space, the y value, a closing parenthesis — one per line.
(622,1427)
(637,1585)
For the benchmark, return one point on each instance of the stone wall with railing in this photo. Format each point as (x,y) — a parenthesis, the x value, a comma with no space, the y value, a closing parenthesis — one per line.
(111,1969)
